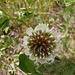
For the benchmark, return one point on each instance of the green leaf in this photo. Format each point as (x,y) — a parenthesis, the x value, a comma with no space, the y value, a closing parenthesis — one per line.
(72,18)
(4,22)
(69,71)
(62,26)
(28,15)
(33,27)
(37,20)
(59,14)
(0,64)
(65,18)
(26,65)
(6,29)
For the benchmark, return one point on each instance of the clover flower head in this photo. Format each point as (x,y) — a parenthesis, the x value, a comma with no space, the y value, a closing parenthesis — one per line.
(41,44)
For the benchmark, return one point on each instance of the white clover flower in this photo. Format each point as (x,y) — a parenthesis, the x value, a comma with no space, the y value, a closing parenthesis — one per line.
(41,44)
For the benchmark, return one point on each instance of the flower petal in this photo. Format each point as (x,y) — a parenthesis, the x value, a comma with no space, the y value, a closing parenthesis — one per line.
(29,31)
(41,27)
(55,34)
(41,60)
(57,47)
(49,58)
(32,57)
(27,52)
(52,60)
(25,44)
(25,38)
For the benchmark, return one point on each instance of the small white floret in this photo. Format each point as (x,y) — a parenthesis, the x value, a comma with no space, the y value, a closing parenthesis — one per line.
(27,52)
(49,41)
(51,36)
(42,36)
(49,53)
(32,57)
(51,45)
(54,41)
(29,31)
(38,37)
(42,60)
(47,48)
